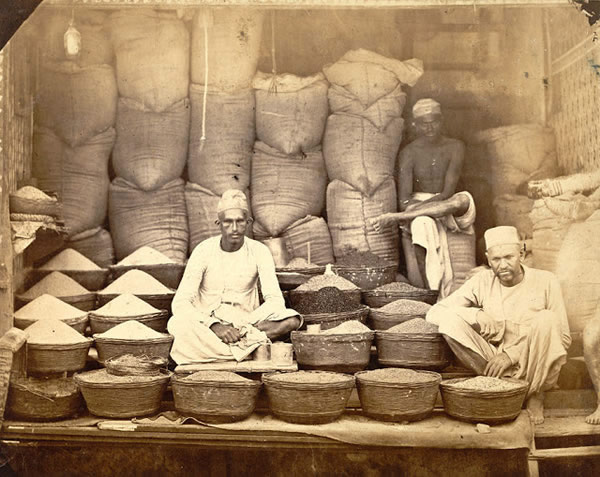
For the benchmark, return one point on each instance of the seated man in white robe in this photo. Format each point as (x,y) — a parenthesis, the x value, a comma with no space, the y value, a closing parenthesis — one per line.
(509,320)
(216,310)
(429,171)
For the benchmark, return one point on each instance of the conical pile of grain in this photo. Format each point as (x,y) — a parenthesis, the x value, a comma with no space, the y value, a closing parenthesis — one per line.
(46,307)
(131,330)
(145,256)
(56,284)
(70,259)
(126,305)
(136,282)
(53,331)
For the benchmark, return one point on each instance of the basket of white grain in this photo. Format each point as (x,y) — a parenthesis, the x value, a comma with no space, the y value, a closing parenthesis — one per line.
(108,395)
(345,348)
(395,394)
(125,308)
(308,397)
(54,347)
(132,337)
(75,265)
(140,284)
(30,200)
(154,263)
(49,307)
(397,312)
(390,292)
(413,344)
(484,399)
(61,286)
(215,396)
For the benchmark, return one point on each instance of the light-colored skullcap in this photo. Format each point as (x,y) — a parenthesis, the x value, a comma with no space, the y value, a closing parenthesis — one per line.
(232,199)
(505,234)
(426,106)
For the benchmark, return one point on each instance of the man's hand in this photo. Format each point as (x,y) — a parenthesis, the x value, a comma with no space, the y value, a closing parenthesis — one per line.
(382,221)
(227,334)
(497,366)
(488,327)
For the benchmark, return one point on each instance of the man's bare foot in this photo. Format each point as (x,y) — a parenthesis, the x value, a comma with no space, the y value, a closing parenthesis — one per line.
(535,408)
(594,417)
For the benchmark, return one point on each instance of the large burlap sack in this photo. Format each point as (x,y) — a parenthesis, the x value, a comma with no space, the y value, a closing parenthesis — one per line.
(152,51)
(222,161)
(517,154)
(380,113)
(201,206)
(512,209)
(369,76)
(461,249)
(234,36)
(151,148)
(156,219)
(309,230)
(577,269)
(358,153)
(290,111)
(96,244)
(348,214)
(79,175)
(76,103)
(285,188)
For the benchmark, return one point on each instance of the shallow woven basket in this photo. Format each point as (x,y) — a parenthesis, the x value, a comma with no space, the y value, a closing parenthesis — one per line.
(111,347)
(78,324)
(347,353)
(162,301)
(308,403)
(331,320)
(92,280)
(156,321)
(413,350)
(377,299)
(117,400)
(367,278)
(29,405)
(380,320)
(307,302)
(169,274)
(215,401)
(141,366)
(84,302)
(397,402)
(290,278)
(22,205)
(54,358)
(489,407)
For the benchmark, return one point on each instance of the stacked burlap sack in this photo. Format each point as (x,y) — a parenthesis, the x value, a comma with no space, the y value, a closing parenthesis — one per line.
(147,203)
(360,146)
(224,53)
(288,178)
(75,109)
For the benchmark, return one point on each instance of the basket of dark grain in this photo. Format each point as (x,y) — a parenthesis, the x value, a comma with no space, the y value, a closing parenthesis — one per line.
(397,312)
(76,266)
(391,292)
(327,293)
(46,307)
(413,344)
(345,348)
(124,308)
(395,394)
(484,399)
(365,269)
(308,397)
(61,286)
(108,395)
(331,320)
(43,399)
(215,396)
(140,284)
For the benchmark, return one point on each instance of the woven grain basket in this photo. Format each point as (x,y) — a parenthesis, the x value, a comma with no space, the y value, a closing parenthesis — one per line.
(367,278)
(377,299)
(92,280)
(308,403)
(111,347)
(380,320)
(84,302)
(161,301)
(344,353)
(157,321)
(215,401)
(307,302)
(55,358)
(169,274)
(331,320)
(397,401)
(413,350)
(117,400)
(490,407)
(138,366)
(78,324)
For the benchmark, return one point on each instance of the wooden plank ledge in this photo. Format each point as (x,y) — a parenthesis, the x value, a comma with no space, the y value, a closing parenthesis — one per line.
(564,453)
(234,366)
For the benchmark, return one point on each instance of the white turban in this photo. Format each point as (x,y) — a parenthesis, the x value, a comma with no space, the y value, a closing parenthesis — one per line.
(232,199)
(505,234)
(426,106)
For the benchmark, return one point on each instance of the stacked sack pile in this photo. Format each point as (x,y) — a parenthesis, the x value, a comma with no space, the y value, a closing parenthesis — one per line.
(288,170)
(147,202)
(361,142)
(224,55)
(74,133)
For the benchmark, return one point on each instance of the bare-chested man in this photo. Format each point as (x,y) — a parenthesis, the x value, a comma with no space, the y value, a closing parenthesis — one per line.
(429,171)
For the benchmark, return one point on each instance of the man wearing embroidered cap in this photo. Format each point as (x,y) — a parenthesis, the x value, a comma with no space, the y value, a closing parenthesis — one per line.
(429,170)
(509,320)
(216,310)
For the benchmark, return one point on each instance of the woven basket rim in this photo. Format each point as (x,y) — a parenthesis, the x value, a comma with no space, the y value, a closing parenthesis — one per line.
(346,380)
(161,379)
(62,347)
(167,338)
(307,292)
(68,321)
(448,387)
(361,309)
(395,336)
(381,268)
(345,337)
(383,315)
(180,381)
(20,384)
(113,318)
(303,270)
(102,271)
(401,294)
(149,266)
(436,380)
(71,298)
(139,295)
